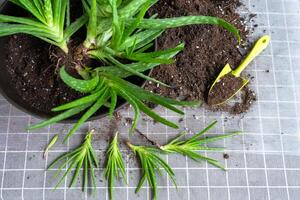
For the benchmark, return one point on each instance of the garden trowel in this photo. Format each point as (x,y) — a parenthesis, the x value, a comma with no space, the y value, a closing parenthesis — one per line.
(215,96)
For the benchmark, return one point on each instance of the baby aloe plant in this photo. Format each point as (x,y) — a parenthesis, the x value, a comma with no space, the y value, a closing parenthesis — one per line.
(84,156)
(151,164)
(190,147)
(50,21)
(115,167)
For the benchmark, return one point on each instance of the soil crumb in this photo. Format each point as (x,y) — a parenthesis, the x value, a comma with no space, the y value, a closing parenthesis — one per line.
(207,48)
(225,156)
(225,88)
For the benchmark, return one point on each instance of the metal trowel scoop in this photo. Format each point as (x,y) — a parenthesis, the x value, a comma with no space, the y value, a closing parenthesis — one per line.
(229,82)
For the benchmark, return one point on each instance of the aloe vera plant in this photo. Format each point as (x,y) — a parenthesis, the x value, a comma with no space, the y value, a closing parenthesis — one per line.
(120,36)
(117,31)
(50,21)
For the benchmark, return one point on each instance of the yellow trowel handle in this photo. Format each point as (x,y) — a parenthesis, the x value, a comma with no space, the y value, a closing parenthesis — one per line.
(259,46)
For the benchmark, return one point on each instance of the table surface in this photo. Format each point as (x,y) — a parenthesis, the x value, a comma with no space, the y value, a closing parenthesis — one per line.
(263,164)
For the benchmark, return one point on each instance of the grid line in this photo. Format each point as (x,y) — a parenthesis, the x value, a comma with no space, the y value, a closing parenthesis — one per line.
(268,134)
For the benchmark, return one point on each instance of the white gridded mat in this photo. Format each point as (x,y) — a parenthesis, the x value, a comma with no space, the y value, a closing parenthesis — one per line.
(263,164)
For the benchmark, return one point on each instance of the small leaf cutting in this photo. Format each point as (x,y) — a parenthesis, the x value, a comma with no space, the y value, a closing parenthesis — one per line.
(191,146)
(50,145)
(84,156)
(115,167)
(151,163)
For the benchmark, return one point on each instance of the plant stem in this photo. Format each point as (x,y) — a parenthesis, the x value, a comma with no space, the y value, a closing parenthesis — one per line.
(64,46)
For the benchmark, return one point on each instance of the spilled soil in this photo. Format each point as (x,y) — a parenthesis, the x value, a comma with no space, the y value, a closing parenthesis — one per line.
(208,49)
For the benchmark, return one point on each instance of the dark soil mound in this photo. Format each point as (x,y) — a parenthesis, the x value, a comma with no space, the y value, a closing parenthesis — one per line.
(208,49)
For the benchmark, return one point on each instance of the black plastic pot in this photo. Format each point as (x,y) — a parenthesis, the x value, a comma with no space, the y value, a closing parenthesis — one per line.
(8,91)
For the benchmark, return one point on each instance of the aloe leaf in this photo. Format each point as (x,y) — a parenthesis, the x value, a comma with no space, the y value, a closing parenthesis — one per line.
(39,6)
(149,59)
(50,145)
(184,21)
(153,115)
(88,113)
(84,86)
(125,67)
(145,48)
(78,168)
(217,138)
(65,174)
(10,29)
(81,158)
(139,105)
(47,25)
(64,164)
(146,95)
(30,7)
(139,67)
(167,168)
(137,20)
(48,12)
(141,183)
(82,101)
(93,156)
(131,8)
(75,26)
(85,174)
(151,165)
(59,12)
(113,102)
(141,39)
(156,57)
(92,173)
(135,107)
(67,155)
(92,25)
(64,5)
(60,117)
(163,53)
(21,20)
(211,125)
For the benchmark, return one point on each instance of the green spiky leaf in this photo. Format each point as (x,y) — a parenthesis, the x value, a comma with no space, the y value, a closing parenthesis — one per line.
(82,157)
(190,147)
(151,165)
(84,86)
(115,167)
